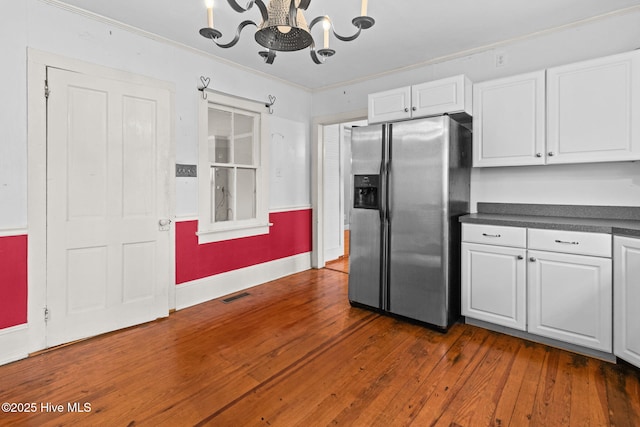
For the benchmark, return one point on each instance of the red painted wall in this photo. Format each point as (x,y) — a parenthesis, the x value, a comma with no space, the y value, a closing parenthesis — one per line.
(290,235)
(13,281)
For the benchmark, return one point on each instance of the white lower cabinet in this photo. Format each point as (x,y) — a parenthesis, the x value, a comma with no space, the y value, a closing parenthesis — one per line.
(551,283)
(570,298)
(627,299)
(494,284)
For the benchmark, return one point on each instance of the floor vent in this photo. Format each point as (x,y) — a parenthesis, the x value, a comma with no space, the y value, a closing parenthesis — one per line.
(235,297)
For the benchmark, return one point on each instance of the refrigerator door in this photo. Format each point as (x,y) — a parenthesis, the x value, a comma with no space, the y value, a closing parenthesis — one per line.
(418,181)
(365,240)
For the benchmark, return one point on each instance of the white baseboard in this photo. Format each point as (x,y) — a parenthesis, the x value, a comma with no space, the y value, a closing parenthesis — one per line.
(14,344)
(203,290)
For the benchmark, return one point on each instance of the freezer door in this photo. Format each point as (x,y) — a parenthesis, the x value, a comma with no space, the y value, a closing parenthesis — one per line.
(365,240)
(418,175)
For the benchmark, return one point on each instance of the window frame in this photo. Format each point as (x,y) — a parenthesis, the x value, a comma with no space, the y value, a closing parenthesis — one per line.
(209,231)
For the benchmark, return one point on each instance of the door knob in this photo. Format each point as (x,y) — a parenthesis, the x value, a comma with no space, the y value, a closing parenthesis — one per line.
(532,259)
(164,222)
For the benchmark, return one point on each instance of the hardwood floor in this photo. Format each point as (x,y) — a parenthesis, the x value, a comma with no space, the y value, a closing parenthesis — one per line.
(294,353)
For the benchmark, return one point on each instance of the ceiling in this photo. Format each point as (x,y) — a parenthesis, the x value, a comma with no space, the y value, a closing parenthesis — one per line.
(406,32)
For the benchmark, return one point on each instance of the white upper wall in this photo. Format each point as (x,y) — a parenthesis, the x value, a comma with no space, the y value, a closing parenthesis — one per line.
(43,26)
(596,184)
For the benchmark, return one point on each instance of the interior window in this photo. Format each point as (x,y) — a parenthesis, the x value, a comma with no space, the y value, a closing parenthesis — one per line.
(233,158)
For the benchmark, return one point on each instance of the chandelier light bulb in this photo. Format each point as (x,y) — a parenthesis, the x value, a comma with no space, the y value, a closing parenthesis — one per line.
(209,4)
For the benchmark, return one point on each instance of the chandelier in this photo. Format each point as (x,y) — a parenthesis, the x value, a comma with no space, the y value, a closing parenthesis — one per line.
(284,28)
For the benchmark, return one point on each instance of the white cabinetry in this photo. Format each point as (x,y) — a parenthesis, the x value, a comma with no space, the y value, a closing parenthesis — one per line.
(570,288)
(592,110)
(450,95)
(509,121)
(494,276)
(562,290)
(626,293)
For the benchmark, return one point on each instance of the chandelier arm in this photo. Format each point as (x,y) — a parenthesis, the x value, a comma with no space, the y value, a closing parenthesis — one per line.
(237,37)
(313,54)
(347,39)
(304,4)
(338,36)
(235,6)
(263,9)
(293,14)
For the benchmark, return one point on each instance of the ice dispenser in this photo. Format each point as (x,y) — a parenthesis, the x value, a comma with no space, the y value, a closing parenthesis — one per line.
(366,191)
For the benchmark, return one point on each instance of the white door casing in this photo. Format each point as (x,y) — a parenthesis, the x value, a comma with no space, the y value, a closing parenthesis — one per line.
(333,194)
(108,183)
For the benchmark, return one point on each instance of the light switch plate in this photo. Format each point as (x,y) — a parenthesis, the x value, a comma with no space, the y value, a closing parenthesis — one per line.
(186,171)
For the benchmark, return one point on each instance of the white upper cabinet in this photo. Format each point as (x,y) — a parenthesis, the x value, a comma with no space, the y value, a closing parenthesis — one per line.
(593,110)
(390,105)
(509,121)
(450,95)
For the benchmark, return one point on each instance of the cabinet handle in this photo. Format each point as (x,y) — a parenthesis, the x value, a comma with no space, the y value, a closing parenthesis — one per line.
(564,242)
(406,109)
(414,108)
(538,154)
(551,154)
(520,257)
(491,235)
(532,259)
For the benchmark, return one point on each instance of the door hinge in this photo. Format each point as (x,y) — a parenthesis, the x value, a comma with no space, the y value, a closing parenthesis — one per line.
(46,314)
(46,89)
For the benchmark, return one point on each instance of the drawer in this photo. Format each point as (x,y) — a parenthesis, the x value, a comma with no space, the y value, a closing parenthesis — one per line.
(495,235)
(572,242)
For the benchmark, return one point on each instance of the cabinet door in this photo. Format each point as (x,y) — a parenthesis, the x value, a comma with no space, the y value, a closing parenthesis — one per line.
(626,294)
(494,284)
(450,95)
(509,121)
(390,105)
(570,298)
(593,110)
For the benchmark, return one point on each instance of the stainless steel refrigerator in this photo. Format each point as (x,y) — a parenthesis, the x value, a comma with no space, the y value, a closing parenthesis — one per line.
(410,184)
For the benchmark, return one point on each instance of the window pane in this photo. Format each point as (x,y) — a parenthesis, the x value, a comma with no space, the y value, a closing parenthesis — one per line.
(246,203)
(219,136)
(243,128)
(243,150)
(222,194)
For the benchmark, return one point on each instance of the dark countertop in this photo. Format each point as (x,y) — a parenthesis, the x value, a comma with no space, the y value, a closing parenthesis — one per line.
(595,219)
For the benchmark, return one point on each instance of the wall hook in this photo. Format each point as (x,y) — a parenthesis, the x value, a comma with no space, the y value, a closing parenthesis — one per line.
(269,105)
(205,84)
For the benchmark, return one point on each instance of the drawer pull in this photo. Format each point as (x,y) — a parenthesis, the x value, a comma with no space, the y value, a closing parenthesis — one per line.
(567,243)
(520,257)
(491,235)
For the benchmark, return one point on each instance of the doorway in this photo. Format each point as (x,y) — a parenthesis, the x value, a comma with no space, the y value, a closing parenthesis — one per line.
(337,192)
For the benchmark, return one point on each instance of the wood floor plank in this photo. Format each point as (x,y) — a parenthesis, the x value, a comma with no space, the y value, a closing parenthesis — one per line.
(295,353)
(476,402)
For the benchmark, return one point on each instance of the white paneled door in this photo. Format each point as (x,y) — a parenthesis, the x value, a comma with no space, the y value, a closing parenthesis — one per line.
(108,239)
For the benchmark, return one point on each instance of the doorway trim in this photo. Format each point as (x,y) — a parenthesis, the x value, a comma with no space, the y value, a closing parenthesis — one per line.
(317,178)
(38,61)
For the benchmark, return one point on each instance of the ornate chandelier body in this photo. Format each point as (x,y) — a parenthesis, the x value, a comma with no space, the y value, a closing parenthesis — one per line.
(284,28)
